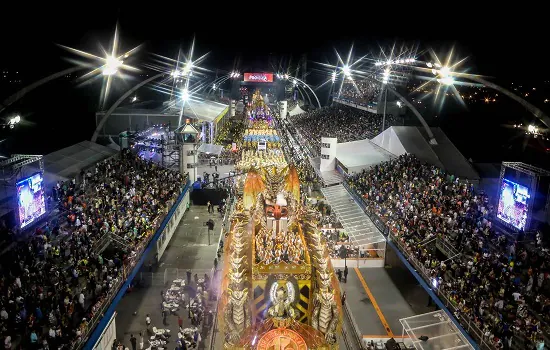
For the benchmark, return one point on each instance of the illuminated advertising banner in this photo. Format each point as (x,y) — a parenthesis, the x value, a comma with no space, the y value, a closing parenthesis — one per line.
(258,77)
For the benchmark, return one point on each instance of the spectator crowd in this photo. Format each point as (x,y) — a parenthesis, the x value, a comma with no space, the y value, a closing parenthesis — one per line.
(297,156)
(56,281)
(362,92)
(343,122)
(501,285)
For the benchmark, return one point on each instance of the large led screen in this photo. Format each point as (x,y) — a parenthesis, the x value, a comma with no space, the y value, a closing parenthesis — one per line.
(30,199)
(512,204)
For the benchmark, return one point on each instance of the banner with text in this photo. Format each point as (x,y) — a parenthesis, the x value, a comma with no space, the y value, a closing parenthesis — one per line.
(258,77)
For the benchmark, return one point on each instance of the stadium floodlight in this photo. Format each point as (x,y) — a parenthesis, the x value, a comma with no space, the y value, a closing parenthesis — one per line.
(286,76)
(346,70)
(134,99)
(184,95)
(448,80)
(112,64)
(187,69)
(333,77)
(532,129)
(429,64)
(386,76)
(399,104)
(214,86)
(295,82)
(444,72)
(14,120)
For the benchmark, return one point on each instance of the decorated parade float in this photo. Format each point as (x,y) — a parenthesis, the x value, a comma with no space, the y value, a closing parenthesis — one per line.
(279,289)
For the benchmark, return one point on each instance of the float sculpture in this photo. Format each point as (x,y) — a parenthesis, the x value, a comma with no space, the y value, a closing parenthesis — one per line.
(279,287)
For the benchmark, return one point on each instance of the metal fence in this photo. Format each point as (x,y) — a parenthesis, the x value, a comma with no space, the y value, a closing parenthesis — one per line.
(354,340)
(217,293)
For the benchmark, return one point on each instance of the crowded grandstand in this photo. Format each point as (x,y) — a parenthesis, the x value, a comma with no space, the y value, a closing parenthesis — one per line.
(502,286)
(54,282)
(362,92)
(342,122)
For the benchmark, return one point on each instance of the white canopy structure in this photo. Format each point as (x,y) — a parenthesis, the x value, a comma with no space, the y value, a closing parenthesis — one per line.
(212,149)
(359,155)
(410,139)
(296,110)
(434,331)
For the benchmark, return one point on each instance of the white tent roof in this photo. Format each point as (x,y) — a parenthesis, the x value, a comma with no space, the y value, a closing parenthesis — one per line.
(296,110)
(411,139)
(407,139)
(362,154)
(389,140)
(202,109)
(187,129)
(211,149)
(67,162)
(440,330)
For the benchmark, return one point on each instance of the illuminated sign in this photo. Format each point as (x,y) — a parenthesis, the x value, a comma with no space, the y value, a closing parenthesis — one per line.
(258,77)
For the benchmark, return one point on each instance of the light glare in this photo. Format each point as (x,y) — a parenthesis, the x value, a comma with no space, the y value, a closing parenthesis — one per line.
(185,95)
(112,64)
(346,70)
(444,72)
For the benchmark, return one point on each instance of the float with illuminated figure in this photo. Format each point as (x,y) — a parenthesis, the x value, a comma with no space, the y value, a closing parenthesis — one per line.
(279,289)
(260,126)
(259,111)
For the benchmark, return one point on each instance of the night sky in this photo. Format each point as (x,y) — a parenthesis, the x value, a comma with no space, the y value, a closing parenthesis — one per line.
(499,41)
(507,44)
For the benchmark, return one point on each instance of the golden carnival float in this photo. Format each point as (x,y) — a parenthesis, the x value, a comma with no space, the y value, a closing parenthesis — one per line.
(279,289)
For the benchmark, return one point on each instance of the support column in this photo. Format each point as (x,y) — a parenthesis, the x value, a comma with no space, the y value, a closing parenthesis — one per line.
(188,155)
(328,153)
(283,108)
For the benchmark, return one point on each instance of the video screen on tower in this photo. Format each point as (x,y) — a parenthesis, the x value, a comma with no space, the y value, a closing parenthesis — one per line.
(512,204)
(30,199)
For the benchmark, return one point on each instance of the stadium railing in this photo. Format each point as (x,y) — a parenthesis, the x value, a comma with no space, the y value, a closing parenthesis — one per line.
(225,224)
